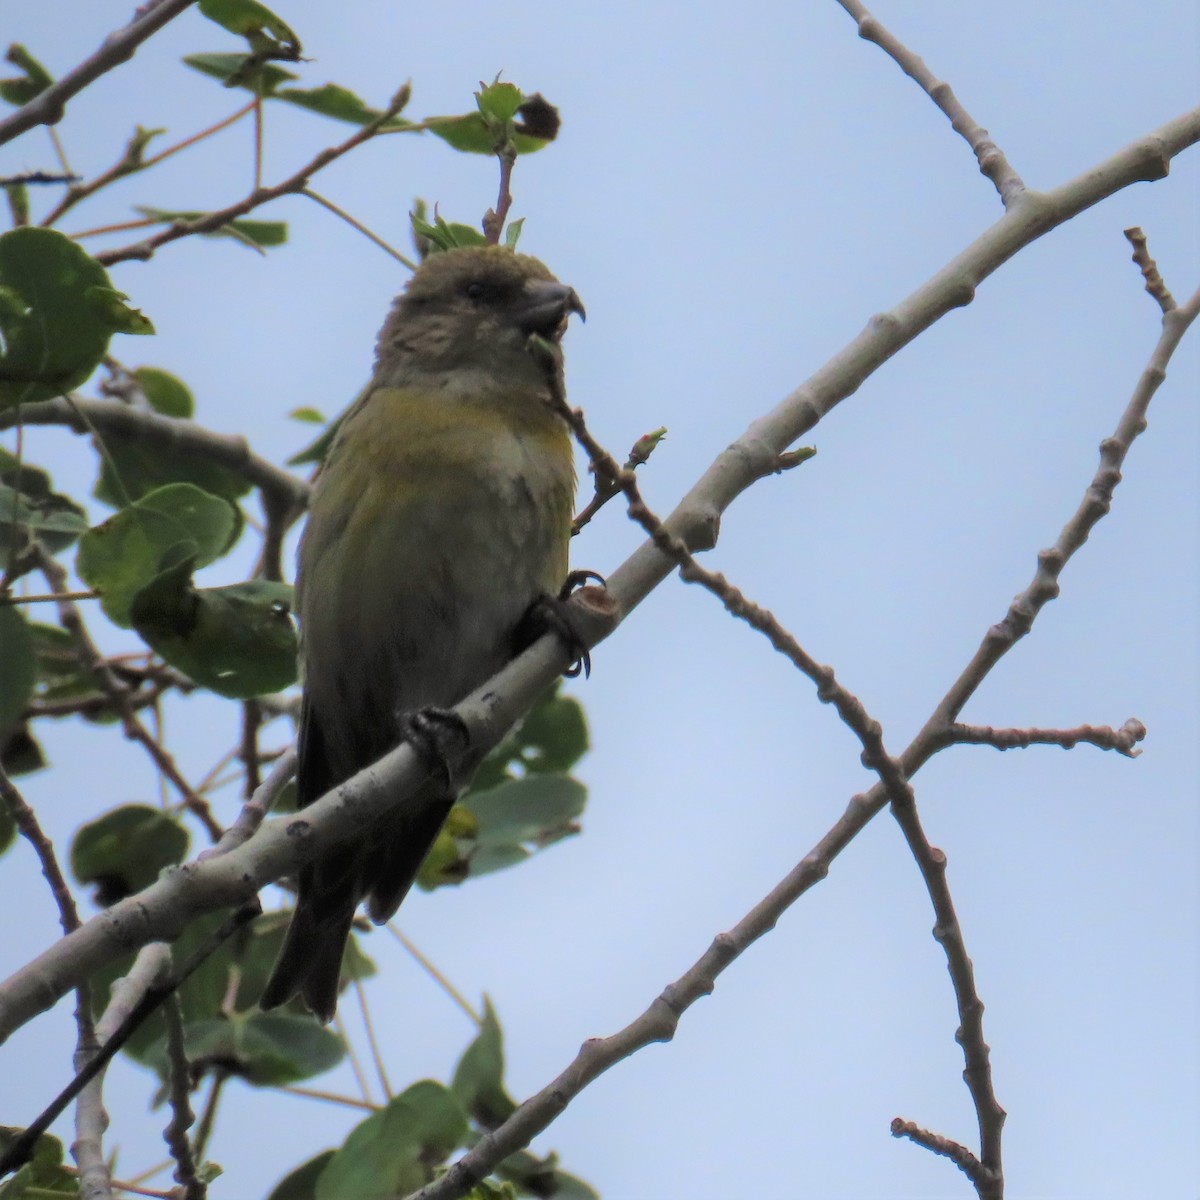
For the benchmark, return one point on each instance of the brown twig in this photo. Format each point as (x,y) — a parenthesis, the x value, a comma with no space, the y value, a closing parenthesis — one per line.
(1123,741)
(990,157)
(605,487)
(251,760)
(118,694)
(179,1096)
(494,218)
(294,183)
(48,107)
(956,1153)
(1149,269)
(930,861)
(131,162)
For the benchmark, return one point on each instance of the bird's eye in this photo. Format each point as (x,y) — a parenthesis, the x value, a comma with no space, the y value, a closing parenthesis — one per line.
(475,290)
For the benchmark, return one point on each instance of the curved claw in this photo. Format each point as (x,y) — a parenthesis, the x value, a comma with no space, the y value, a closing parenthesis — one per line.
(436,734)
(578,579)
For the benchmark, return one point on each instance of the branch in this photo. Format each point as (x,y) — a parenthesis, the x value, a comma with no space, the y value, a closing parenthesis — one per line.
(659,1021)
(1149,268)
(990,157)
(281,846)
(85,416)
(149,969)
(48,107)
(295,183)
(1123,740)
(182,1117)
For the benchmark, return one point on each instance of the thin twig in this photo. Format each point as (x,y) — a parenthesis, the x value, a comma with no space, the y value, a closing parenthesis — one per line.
(48,107)
(354,223)
(179,1096)
(356,1066)
(376,1055)
(954,1151)
(131,162)
(208,1116)
(431,969)
(1149,269)
(294,1089)
(294,183)
(1123,741)
(251,760)
(990,157)
(494,218)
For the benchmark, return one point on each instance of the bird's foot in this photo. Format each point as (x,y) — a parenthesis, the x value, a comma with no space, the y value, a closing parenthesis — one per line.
(554,614)
(438,735)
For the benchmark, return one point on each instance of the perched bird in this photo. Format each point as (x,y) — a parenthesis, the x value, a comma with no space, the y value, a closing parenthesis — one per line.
(440,518)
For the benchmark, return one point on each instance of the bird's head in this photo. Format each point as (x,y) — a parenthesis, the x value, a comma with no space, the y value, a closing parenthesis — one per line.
(472,310)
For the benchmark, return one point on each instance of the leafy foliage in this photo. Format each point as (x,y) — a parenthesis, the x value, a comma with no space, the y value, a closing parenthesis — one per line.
(177,513)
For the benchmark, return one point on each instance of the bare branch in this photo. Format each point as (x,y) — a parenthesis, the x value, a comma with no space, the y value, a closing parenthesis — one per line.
(990,157)
(1044,587)
(1149,268)
(1123,741)
(48,107)
(956,1153)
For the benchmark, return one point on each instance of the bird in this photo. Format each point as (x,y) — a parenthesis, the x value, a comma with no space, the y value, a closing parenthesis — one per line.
(438,524)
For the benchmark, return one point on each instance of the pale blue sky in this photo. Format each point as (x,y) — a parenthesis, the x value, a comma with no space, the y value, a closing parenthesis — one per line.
(736,190)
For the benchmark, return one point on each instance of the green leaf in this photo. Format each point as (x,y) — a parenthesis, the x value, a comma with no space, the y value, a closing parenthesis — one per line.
(20,664)
(33,80)
(535,1176)
(32,511)
(301,1184)
(312,416)
(132,468)
(110,307)
(60,676)
(57,317)
(443,235)
(123,851)
(265,1049)
(258,235)
(512,235)
(43,1176)
(397,1149)
(253,21)
(522,815)
(165,393)
(20,754)
(499,100)
(479,1077)
(316,450)
(238,641)
(553,737)
(232,70)
(494,126)
(121,556)
(333,100)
